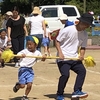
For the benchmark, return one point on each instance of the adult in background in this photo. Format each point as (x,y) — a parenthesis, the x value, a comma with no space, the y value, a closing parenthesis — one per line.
(7,15)
(64,20)
(92,13)
(16,32)
(37,26)
(67,43)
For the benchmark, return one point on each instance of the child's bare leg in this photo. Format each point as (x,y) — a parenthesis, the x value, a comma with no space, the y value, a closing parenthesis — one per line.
(28,88)
(21,86)
(48,49)
(45,50)
(18,86)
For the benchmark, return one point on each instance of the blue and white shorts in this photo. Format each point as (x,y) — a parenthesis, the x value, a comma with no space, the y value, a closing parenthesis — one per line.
(45,42)
(25,75)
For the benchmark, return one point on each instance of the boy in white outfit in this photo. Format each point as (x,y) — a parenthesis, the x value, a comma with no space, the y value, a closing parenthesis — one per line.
(25,73)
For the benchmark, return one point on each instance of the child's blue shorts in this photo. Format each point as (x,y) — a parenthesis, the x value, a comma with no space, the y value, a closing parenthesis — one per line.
(45,42)
(25,75)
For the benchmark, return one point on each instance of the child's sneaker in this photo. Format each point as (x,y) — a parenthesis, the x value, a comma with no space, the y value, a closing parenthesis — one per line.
(49,55)
(45,53)
(60,97)
(17,65)
(15,89)
(24,98)
(2,64)
(79,94)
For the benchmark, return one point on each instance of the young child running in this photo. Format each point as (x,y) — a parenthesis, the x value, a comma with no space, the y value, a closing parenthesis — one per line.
(46,40)
(25,73)
(4,44)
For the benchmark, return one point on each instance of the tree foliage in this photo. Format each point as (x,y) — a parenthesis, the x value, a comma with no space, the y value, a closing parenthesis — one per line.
(26,6)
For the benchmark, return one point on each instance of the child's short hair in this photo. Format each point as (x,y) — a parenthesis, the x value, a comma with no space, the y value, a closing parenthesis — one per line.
(2,29)
(33,39)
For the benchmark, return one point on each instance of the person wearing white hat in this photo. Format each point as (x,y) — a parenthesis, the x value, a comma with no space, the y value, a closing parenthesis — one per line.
(64,20)
(37,26)
(92,13)
(8,15)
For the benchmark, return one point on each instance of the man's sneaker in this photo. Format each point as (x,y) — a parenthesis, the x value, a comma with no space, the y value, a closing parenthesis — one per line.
(15,89)
(79,94)
(24,98)
(60,97)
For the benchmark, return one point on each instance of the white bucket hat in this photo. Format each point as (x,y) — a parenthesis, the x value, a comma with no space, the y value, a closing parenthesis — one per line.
(9,13)
(63,17)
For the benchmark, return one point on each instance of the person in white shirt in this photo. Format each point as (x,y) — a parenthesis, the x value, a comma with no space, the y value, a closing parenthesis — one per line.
(4,44)
(67,43)
(37,26)
(25,73)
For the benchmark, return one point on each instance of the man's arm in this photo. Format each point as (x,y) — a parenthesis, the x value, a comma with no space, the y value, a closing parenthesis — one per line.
(60,54)
(82,53)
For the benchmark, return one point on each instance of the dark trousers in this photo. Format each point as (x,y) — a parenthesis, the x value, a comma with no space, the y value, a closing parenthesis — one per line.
(17,45)
(64,68)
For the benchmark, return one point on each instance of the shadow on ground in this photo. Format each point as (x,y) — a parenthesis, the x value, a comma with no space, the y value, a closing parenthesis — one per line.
(19,98)
(52,63)
(65,95)
(10,64)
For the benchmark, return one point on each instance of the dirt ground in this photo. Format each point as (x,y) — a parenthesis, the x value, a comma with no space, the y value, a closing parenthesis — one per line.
(46,79)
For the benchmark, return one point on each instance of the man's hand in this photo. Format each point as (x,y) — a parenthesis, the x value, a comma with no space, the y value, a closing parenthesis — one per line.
(61,56)
(81,58)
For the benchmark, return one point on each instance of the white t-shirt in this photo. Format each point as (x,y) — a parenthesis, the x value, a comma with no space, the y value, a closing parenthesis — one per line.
(36,25)
(28,62)
(3,42)
(70,40)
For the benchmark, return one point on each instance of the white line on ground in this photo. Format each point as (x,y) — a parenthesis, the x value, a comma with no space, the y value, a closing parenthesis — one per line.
(45,79)
(93,72)
(94,94)
(68,85)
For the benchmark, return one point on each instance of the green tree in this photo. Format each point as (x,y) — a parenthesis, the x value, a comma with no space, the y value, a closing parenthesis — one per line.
(26,6)
(91,5)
